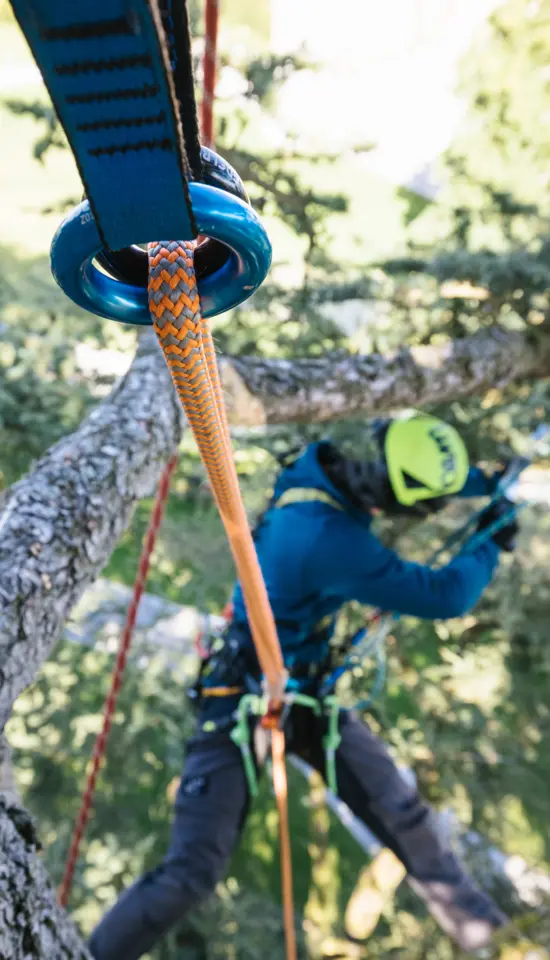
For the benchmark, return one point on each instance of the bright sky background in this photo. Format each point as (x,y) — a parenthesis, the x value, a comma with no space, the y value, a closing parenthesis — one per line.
(390,77)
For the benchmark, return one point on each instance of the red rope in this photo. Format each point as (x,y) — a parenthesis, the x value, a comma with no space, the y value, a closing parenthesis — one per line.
(116,682)
(212,12)
(211,20)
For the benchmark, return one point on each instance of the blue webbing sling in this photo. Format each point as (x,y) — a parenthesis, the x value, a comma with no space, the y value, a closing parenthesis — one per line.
(120,112)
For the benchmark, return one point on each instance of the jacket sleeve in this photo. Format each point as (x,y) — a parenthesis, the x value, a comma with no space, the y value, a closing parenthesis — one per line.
(478,484)
(353,564)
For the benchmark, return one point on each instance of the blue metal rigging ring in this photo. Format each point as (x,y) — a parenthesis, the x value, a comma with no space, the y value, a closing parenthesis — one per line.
(218,215)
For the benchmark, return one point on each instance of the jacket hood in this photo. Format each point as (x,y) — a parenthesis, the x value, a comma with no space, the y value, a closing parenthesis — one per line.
(306,471)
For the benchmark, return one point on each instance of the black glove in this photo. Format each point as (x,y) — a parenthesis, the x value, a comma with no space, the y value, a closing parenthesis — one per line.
(505,537)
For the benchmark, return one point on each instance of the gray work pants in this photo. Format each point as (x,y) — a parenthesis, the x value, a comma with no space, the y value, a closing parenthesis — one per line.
(211,807)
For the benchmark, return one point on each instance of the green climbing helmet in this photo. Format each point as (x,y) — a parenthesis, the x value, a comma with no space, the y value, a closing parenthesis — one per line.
(425,458)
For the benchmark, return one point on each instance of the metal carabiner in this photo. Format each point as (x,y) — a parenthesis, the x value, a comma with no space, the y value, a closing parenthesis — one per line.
(97,279)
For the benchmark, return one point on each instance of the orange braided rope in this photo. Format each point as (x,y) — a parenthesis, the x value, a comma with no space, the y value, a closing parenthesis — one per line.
(189,350)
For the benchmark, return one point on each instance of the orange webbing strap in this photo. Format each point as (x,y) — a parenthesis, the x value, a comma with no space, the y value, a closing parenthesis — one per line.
(189,350)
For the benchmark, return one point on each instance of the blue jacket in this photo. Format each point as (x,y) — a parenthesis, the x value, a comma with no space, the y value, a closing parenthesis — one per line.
(315,558)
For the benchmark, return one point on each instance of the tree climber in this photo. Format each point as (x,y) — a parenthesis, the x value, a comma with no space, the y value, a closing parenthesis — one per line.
(317,552)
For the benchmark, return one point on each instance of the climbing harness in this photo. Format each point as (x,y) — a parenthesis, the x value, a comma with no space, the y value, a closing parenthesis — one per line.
(222,658)
(369,641)
(251,707)
(219,654)
(305,495)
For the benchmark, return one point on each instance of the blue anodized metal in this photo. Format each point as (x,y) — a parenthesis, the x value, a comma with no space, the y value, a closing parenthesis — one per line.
(218,215)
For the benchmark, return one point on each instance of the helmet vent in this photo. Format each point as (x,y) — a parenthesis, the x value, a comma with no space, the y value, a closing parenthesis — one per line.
(411,482)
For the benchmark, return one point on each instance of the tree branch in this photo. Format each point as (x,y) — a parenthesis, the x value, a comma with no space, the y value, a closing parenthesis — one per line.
(61,522)
(31,923)
(266,391)
(8,786)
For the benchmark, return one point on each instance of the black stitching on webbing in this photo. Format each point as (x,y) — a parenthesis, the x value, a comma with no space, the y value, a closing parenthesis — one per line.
(122,122)
(176,12)
(183,105)
(97,66)
(130,93)
(95,29)
(181,153)
(165,10)
(165,144)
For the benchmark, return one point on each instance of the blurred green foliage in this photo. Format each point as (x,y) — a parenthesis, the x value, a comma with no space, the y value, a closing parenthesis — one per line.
(466,705)
(466,702)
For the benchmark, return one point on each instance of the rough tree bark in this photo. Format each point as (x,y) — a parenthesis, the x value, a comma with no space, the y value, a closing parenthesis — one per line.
(60,523)
(8,786)
(32,926)
(269,391)
(58,528)
(261,391)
